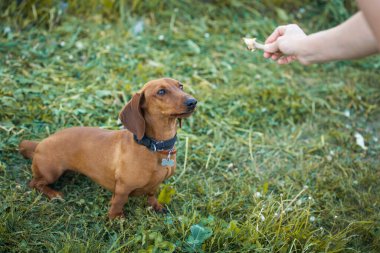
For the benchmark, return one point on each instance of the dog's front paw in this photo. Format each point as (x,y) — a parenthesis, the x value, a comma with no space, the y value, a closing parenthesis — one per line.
(55,195)
(161,209)
(119,215)
(157,207)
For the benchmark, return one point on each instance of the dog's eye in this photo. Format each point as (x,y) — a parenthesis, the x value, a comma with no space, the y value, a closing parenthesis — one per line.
(161,92)
(181,86)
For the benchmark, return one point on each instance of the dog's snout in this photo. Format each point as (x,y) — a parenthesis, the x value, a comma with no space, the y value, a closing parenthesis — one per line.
(191,103)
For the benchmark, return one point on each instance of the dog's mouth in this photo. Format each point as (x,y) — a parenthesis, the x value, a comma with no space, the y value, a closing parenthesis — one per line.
(182,115)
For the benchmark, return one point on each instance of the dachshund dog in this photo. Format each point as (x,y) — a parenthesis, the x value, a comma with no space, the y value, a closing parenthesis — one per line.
(129,162)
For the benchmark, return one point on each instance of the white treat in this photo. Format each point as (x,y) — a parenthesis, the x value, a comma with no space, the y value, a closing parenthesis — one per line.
(252,44)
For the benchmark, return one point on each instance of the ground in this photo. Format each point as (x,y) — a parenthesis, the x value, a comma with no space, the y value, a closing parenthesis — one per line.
(268,163)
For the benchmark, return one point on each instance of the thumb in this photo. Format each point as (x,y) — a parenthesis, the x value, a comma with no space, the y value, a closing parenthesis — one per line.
(271,47)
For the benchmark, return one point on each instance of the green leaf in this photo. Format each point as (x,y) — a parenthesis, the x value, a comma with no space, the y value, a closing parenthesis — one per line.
(207,221)
(233,227)
(193,47)
(166,194)
(265,187)
(198,235)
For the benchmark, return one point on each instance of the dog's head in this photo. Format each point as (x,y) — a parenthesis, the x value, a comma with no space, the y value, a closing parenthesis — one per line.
(163,98)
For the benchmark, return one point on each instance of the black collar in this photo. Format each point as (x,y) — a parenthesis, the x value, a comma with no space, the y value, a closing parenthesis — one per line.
(156,145)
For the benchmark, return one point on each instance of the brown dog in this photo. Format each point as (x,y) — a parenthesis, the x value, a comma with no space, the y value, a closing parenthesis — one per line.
(128,162)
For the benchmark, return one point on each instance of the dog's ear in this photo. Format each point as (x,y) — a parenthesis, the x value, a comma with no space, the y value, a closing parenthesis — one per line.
(131,116)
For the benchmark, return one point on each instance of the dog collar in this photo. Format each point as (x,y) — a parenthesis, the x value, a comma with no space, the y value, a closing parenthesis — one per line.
(155,145)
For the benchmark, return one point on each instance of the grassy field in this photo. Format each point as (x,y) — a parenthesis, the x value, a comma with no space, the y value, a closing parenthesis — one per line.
(268,163)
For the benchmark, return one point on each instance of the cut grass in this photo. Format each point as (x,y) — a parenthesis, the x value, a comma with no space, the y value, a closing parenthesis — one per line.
(272,162)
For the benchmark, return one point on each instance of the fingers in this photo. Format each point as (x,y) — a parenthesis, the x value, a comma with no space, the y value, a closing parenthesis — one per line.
(281,45)
(283,60)
(280,58)
(271,43)
(286,59)
(271,47)
(276,56)
(271,50)
(279,31)
(267,55)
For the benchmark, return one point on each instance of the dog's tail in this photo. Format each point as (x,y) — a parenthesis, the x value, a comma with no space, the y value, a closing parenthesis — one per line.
(26,148)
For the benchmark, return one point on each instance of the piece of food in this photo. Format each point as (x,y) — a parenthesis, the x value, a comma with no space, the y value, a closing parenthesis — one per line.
(252,44)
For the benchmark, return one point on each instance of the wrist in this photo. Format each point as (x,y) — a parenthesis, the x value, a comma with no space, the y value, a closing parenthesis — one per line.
(307,50)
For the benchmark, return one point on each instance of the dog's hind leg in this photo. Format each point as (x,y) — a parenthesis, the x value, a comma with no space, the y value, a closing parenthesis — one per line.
(42,179)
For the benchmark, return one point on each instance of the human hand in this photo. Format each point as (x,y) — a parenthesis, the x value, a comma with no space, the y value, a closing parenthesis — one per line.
(283,45)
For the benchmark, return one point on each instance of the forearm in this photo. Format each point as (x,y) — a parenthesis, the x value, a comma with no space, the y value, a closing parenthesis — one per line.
(370,10)
(350,40)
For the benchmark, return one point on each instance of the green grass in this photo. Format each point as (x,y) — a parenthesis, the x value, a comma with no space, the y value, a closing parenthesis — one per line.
(272,164)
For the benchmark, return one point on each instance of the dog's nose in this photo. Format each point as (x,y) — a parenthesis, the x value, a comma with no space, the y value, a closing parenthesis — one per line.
(191,103)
